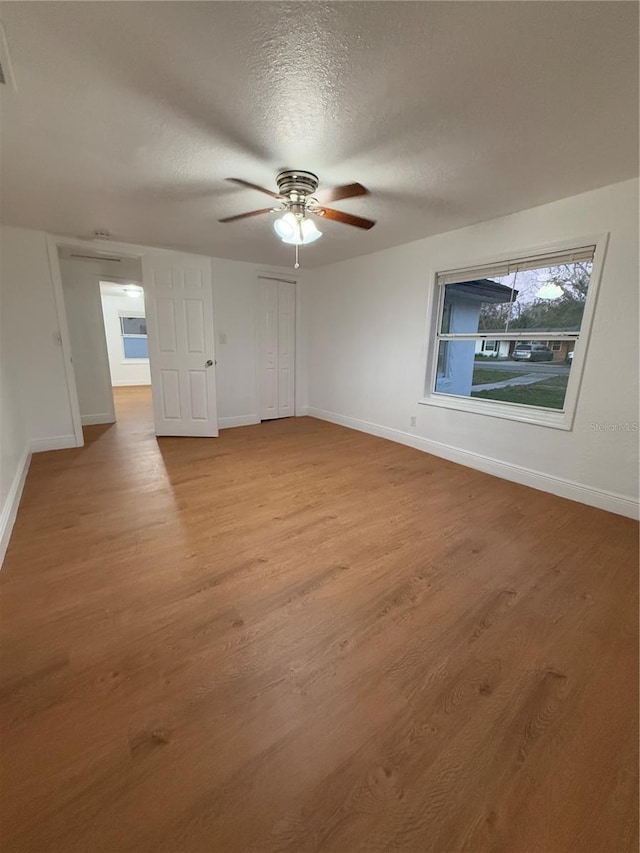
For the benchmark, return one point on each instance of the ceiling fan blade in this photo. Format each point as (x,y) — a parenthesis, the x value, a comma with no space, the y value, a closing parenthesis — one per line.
(346,218)
(246,215)
(253,187)
(338,193)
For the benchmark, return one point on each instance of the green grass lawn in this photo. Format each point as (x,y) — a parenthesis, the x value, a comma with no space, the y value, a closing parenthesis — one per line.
(485,375)
(549,392)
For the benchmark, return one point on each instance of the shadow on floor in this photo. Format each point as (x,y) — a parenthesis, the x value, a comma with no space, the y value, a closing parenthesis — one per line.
(94,432)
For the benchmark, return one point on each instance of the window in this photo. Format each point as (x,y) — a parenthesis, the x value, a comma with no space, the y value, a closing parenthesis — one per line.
(134,337)
(133,325)
(505,335)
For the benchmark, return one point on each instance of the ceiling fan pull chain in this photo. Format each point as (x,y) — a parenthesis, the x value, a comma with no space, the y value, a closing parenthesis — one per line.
(297,264)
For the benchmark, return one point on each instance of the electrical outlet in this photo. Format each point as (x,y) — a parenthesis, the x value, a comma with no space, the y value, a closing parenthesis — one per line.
(414,421)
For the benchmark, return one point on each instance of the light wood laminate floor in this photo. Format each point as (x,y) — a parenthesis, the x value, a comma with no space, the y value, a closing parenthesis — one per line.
(298,637)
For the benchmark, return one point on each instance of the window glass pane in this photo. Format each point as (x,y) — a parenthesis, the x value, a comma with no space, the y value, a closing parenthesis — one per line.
(133,325)
(443,355)
(543,299)
(479,305)
(528,373)
(135,347)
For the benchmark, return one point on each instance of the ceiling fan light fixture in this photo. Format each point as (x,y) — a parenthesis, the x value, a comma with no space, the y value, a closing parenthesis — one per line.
(286,227)
(310,233)
(132,290)
(296,232)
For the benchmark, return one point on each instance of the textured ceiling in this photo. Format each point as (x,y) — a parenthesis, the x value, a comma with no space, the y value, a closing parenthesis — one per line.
(128,116)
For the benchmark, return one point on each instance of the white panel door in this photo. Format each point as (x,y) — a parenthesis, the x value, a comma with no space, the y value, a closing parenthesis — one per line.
(286,348)
(277,325)
(179,307)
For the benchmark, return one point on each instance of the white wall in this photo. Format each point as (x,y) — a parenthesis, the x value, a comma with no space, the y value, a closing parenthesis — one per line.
(123,371)
(81,289)
(14,444)
(34,403)
(367,352)
(39,361)
(14,440)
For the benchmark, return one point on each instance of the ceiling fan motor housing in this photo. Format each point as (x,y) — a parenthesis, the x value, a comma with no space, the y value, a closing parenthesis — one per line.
(297,185)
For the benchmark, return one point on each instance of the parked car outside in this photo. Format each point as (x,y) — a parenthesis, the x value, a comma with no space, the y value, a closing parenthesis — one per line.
(569,358)
(532,352)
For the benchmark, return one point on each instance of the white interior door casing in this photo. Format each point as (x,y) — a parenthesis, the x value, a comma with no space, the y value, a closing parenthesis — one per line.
(277,323)
(179,308)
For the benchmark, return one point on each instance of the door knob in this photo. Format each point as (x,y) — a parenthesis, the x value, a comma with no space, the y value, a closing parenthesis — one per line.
(208,363)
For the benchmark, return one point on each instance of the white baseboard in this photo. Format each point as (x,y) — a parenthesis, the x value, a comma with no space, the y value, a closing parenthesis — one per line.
(58,442)
(241,420)
(104,418)
(127,383)
(10,508)
(610,501)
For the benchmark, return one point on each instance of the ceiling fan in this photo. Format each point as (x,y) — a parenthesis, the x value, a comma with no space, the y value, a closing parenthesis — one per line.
(297,199)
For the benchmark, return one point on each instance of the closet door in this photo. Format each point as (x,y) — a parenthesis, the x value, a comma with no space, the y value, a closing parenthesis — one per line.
(268,348)
(277,317)
(286,349)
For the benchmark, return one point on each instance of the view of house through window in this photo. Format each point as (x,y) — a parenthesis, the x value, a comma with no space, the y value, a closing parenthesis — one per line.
(507,332)
(134,337)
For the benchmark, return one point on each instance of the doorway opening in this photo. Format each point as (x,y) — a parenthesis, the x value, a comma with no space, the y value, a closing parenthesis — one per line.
(125,327)
(178,293)
(106,322)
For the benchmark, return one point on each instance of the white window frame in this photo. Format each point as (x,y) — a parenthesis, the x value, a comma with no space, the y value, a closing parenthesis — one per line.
(555,418)
(139,315)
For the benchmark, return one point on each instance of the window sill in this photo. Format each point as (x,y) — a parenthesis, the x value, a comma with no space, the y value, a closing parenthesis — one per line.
(508,411)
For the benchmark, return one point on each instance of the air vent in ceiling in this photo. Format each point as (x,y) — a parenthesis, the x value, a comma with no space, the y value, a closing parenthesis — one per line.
(6,72)
(95,257)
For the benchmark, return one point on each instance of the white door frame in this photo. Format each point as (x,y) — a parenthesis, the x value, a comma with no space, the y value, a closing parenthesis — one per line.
(54,241)
(274,275)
